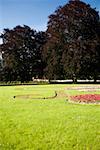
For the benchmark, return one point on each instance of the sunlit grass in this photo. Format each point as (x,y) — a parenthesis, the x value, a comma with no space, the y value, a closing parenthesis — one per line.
(52,124)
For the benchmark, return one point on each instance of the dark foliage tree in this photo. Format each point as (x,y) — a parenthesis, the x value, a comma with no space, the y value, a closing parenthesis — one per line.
(40,40)
(73,41)
(22,56)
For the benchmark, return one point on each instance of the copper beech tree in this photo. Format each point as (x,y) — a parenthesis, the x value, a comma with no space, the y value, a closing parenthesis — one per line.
(22,53)
(72,49)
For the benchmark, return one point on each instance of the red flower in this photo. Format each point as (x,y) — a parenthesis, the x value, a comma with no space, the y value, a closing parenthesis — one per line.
(86,98)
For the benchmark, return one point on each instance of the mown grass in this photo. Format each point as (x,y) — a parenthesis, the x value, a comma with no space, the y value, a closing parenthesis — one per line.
(53,124)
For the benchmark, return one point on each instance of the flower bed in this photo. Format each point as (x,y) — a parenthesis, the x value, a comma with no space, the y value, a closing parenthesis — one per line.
(85,88)
(86,98)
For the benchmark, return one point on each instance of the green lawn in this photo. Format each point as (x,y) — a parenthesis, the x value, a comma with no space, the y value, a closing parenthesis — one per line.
(49,124)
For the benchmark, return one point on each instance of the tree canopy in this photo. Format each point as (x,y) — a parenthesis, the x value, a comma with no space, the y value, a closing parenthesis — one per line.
(69,49)
(73,45)
(22,54)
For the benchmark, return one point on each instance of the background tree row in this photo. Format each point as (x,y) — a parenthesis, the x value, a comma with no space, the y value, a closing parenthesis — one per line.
(69,49)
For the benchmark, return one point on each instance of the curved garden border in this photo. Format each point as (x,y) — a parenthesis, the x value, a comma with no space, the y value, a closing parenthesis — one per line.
(28,96)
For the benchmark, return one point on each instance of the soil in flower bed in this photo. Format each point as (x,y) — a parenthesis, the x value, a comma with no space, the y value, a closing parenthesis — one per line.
(86,98)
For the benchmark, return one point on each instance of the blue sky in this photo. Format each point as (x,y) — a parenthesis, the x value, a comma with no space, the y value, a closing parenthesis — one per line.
(31,12)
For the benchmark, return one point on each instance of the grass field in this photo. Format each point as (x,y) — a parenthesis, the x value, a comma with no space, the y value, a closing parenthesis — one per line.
(47,124)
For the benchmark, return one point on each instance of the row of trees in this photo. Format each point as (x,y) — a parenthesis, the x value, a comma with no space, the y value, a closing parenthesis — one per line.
(70,48)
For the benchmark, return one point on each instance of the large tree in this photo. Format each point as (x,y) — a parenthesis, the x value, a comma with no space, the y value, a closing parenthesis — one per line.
(73,42)
(22,56)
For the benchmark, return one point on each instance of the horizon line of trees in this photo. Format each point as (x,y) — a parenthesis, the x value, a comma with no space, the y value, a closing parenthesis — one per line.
(69,49)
